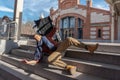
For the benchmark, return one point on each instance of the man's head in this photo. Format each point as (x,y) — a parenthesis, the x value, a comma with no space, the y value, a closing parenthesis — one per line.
(37,37)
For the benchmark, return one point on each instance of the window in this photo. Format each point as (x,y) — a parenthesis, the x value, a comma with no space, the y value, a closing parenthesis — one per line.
(80,22)
(67,22)
(72,22)
(61,24)
(99,33)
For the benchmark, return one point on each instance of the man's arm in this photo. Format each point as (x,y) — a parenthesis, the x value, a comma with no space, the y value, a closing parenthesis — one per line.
(30,62)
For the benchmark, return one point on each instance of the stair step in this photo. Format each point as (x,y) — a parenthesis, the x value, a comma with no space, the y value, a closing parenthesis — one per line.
(31,42)
(111,48)
(1,78)
(73,61)
(88,70)
(28,47)
(105,57)
(110,58)
(100,58)
(4,73)
(103,47)
(23,53)
(18,73)
(40,70)
(95,68)
(48,71)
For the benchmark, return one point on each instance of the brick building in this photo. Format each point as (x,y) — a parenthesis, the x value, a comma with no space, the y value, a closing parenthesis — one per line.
(82,21)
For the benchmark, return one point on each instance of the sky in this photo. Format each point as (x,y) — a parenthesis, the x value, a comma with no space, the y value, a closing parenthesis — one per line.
(33,8)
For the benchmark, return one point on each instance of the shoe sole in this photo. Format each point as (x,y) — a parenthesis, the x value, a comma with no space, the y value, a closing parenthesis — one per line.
(73,71)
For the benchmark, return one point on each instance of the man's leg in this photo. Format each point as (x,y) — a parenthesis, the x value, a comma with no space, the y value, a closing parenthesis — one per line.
(74,42)
(55,57)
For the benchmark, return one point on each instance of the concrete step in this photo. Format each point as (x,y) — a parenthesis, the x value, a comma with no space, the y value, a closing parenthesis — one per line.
(4,75)
(111,48)
(108,71)
(47,71)
(103,47)
(28,47)
(16,73)
(104,57)
(41,70)
(1,78)
(111,72)
(23,53)
(31,42)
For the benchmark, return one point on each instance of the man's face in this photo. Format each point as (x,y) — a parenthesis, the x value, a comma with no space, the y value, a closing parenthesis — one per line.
(37,37)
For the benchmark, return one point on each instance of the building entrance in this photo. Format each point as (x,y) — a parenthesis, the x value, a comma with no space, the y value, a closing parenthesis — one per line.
(80,33)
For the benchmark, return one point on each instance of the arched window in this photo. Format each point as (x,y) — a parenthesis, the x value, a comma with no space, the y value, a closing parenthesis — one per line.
(99,33)
(80,22)
(71,22)
(67,22)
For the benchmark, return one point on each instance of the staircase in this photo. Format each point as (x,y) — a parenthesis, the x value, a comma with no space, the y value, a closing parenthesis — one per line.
(102,65)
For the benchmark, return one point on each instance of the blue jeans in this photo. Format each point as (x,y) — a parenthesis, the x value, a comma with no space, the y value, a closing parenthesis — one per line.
(38,52)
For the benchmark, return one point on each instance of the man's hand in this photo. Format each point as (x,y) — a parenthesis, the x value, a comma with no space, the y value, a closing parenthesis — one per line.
(24,61)
(37,37)
(32,62)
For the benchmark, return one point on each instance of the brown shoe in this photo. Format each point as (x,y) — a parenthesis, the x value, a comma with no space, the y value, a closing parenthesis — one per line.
(71,69)
(92,48)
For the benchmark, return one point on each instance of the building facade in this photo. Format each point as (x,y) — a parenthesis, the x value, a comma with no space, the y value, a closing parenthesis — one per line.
(81,21)
(115,21)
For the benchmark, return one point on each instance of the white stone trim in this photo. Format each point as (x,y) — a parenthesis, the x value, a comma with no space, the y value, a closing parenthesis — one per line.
(106,37)
(92,33)
(106,28)
(74,10)
(71,10)
(106,32)
(93,37)
(92,29)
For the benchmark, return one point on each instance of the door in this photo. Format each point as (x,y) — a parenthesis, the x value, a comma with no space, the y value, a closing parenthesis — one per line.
(80,33)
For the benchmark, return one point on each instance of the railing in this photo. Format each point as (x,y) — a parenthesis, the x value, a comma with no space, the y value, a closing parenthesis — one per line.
(8,31)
